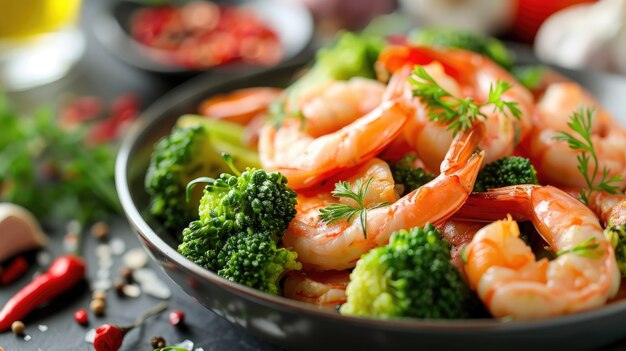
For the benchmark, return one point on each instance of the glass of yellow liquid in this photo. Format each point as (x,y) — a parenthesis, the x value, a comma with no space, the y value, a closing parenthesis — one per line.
(39,41)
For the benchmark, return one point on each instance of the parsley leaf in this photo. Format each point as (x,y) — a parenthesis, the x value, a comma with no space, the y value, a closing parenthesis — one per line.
(338,211)
(580,140)
(458,113)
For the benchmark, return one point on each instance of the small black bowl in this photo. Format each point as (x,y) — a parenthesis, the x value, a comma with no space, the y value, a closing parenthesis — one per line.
(300,326)
(291,21)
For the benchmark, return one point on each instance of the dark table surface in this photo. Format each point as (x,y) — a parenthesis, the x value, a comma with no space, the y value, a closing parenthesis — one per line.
(100,74)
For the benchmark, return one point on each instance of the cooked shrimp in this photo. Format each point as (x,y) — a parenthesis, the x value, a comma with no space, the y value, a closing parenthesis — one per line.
(503,269)
(458,234)
(463,74)
(339,103)
(555,162)
(323,289)
(610,208)
(339,245)
(306,160)
(240,106)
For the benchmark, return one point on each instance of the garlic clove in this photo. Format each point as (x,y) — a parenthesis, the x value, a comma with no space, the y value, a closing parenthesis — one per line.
(19,231)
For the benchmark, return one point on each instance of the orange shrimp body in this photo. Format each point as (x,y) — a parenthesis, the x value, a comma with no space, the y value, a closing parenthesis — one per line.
(463,74)
(322,289)
(555,161)
(503,269)
(337,246)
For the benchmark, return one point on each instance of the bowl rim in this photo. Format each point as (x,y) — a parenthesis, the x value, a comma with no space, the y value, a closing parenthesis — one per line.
(204,83)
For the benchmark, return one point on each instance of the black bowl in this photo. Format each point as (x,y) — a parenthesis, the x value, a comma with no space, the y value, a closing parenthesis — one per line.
(297,325)
(291,21)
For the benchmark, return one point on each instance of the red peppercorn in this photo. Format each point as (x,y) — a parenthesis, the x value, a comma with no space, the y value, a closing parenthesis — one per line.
(176,317)
(108,338)
(81,316)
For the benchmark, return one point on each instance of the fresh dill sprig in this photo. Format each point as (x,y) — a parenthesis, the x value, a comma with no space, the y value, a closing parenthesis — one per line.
(337,211)
(458,113)
(589,248)
(581,123)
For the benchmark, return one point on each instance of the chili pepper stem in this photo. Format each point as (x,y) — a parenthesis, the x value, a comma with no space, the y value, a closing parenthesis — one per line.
(149,313)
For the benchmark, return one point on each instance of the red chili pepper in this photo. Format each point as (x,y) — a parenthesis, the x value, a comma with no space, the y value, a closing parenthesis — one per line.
(64,273)
(16,269)
(108,338)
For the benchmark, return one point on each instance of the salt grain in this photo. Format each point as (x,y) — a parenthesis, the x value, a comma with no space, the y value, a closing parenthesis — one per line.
(90,335)
(42,328)
(27,337)
(103,274)
(43,258)
(102,285)
(131,290)
(103,250)
(117,246)
(135,258)
(186,344)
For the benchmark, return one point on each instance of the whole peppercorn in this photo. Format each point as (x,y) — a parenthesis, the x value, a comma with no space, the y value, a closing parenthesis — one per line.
(118,286)
(157,342)
(176,317)
(99,295)
(18,328)
(97,307)
(126,274)
(100,230)
(81,316)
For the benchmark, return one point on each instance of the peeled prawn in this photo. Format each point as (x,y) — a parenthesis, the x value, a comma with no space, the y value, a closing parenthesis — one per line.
(610,208)
(556,163)
(306,160)
(339,245)
(463,74)
(504,271)
(322,289)
(333,106)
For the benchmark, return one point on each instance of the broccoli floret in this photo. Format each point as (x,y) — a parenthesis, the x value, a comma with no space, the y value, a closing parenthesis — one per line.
(192,150)
(506,171)
(242,219)
(530,76)
(254,260)
(255,199)
(452,38)
(353,55)
(405,173)
(616,235)
(410,277)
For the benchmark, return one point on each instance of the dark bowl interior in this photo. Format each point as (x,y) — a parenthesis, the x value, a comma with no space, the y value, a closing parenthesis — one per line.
(297,325)
(291,21)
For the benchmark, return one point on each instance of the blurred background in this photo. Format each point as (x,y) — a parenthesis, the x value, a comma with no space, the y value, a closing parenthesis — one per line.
(152,45)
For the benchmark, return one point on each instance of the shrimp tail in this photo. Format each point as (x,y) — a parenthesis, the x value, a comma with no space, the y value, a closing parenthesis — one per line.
(464,147)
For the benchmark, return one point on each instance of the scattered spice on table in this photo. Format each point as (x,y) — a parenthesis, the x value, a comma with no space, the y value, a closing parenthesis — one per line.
(64,273)
(176,317)
(14,270)
(81,317)
(109,337)
(18,327)
(158,342)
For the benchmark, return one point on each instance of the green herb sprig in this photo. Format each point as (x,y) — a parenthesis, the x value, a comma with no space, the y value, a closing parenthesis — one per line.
(589,248)
(458,113)
(338,211)
(580,140)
